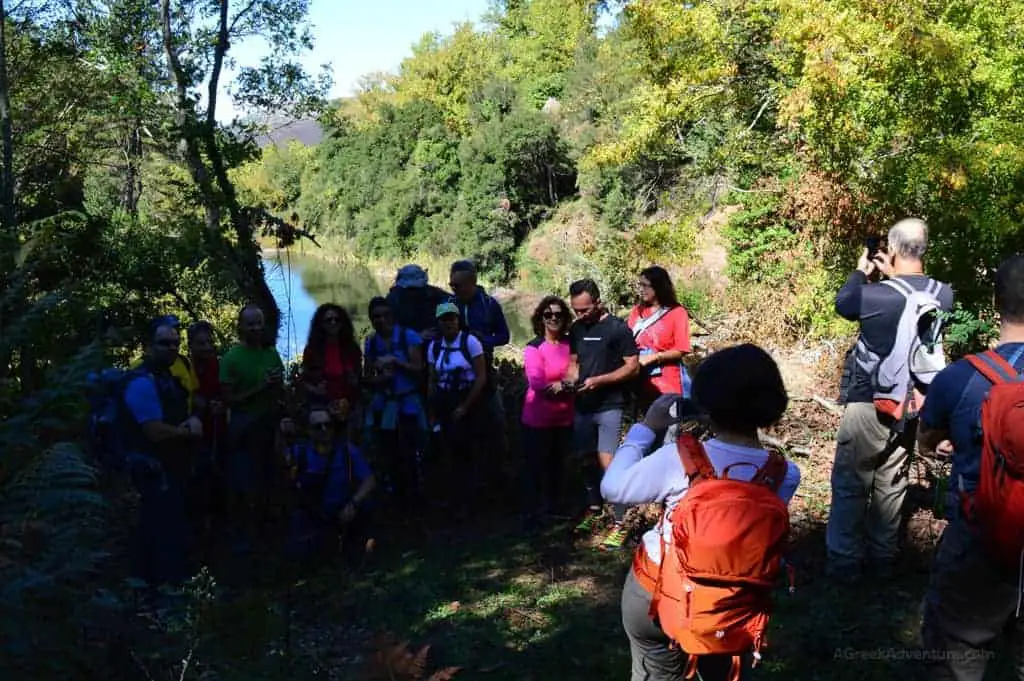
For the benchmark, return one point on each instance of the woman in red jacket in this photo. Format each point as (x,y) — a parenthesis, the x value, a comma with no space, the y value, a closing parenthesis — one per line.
(332,361)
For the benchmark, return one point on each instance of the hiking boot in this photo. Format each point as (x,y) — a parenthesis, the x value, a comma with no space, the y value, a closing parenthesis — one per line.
(883,569)
(843,573)
(591,519)
(615,538)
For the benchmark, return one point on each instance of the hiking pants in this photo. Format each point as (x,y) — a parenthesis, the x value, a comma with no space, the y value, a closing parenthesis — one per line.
(163,540)
(398,450)
(969,605)
(652,658)
(544,451)
(462,444)
(869,484)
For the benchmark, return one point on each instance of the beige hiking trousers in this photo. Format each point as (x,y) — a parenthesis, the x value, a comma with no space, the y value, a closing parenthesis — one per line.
(869,485)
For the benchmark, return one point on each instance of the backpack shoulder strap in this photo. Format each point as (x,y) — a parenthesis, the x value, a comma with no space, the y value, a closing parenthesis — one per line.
(694,458)
(992,366)
(434,349)
(898,284)
(773,472)
(464,347)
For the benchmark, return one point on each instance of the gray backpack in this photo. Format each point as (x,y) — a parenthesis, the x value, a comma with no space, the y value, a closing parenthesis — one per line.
(917,354)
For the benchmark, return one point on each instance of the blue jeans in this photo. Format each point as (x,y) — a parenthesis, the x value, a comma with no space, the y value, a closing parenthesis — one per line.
(163,542)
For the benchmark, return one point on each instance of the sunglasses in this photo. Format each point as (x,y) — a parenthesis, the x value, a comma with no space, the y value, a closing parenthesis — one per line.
(553,315)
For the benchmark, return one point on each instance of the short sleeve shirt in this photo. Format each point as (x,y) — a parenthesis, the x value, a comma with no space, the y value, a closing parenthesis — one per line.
(600,348)
(376,348)
(454,371)
(143,401)
(244,369)
(671,332)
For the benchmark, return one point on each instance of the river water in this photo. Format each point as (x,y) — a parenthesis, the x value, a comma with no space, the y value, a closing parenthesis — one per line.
(300,284)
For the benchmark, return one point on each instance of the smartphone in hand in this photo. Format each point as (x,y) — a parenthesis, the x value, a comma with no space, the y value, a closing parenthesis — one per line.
(872,243)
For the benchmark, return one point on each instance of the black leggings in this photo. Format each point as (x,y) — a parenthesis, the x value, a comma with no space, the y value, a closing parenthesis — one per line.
(545,451)
(398,450)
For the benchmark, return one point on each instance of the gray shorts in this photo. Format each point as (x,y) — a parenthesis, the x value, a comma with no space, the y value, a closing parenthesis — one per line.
(598,431)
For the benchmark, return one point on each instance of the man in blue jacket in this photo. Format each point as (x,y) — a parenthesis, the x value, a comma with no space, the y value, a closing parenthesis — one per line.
(479,312)
(483,317)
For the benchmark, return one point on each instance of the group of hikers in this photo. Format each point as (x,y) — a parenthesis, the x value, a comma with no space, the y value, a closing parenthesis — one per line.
(418,398)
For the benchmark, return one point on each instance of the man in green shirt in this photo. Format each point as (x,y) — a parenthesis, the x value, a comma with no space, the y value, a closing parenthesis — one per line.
(251,375)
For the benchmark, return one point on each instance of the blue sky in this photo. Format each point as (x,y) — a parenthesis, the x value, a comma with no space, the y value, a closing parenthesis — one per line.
(358,36)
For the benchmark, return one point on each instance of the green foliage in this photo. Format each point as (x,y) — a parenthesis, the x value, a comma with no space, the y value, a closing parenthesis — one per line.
(666,241)
(968,331)
(759,244)
(697,295)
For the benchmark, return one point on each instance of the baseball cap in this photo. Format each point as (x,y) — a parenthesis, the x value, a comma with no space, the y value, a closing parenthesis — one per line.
(163,320)
(446,308)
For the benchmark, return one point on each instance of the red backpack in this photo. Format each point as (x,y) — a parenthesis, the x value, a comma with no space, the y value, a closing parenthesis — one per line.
(714,591)
(997,506)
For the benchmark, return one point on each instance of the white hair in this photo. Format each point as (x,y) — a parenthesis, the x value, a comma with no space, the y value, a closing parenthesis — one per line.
(909,238)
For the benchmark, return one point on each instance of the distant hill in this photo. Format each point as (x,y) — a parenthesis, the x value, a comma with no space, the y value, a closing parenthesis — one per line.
(308,132)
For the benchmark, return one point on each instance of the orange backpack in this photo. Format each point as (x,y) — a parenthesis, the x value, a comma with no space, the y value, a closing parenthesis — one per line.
(713,594)
(997,506)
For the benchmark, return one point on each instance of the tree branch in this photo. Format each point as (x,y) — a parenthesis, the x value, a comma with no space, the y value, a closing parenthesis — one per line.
(185,121)
(218,62)
(238,17)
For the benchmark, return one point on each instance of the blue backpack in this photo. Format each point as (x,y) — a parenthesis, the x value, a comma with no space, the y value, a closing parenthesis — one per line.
(115,439)
(108,441)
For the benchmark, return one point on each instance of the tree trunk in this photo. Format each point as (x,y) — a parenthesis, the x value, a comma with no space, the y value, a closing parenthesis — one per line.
(8,229)
(132,147)
(245,256)
(7,215)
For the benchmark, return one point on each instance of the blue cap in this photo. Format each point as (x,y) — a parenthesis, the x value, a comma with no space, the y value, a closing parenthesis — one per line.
(163,320)
(411,276)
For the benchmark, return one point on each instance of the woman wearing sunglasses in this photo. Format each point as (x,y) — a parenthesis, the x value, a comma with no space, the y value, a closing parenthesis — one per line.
(547,408)
(661,328)
(332,361)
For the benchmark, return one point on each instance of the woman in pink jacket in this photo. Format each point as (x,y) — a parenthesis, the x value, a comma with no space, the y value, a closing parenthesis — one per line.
(548,407)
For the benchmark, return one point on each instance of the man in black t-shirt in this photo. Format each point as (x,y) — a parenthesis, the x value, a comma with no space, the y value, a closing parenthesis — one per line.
(604,359)
(869,475)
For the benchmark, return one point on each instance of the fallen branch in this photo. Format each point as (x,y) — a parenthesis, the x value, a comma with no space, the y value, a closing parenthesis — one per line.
(828,405)
(527,615)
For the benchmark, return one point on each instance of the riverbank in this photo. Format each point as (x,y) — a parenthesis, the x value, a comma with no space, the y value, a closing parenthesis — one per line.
(518,305)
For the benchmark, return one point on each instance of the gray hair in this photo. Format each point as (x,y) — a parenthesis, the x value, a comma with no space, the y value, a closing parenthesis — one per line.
(464,266)
(909,238)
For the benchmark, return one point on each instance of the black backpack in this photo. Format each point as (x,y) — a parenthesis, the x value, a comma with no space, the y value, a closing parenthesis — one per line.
(414,308)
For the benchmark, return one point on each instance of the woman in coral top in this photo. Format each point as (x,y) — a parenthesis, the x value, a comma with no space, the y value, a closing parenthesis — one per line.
(548,406)
(661,327)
